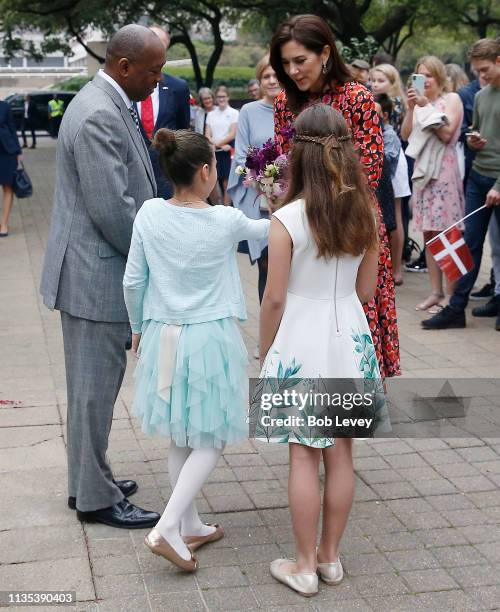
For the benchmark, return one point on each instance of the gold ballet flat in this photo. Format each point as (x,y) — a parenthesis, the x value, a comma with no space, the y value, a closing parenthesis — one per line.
(331,573)
(194,542)
(304,584)
(159,546)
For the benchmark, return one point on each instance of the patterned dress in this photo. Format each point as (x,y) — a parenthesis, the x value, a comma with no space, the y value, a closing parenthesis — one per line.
(356,104)
(441,202)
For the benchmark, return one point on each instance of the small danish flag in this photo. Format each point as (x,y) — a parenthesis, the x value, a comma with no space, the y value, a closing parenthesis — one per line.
(451,253)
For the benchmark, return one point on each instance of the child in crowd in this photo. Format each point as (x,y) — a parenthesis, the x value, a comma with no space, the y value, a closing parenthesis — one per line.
(323,253)
(389,191)
(182,290)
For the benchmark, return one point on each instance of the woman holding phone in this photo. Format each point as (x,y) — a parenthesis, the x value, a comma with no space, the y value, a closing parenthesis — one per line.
(439,203)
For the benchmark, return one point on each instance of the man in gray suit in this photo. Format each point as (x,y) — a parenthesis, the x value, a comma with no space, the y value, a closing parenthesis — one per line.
(104,175)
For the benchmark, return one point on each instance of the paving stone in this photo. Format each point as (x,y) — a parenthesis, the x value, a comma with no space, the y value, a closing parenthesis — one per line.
(221,599)
(354,605)
(245,460)
(379,476)
(470,484)
(457,470)
(406,506)
(439,457)
(470,516)
(109,547)
(416,559)
(490,550)
(244,474)
(369,563)
(257,554)
(116,565)
(475,575)
(424,520)
(448,600)
(258,573)
(395,490)
(270,500)
(411,460)
(478,454)
(394,447)
(486,596)
(447,536)
(450,502)
(180,602)
(169,580)
(477,534)
(60,574)
(397,603)
(416,474)
(457,556)
(362,464)
(427,444)
(440,486)
(41,543)
(485,499)
(434,579)
(377,585)
(114,587)
(230,503)
(388,542)
(125,604)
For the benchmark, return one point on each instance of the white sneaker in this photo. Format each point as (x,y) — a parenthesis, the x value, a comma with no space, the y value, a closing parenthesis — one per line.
(256,353)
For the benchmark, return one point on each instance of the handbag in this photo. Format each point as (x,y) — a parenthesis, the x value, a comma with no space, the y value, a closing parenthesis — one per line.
(23,187)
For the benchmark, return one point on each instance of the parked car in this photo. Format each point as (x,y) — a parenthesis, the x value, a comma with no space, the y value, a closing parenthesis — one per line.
(41,99)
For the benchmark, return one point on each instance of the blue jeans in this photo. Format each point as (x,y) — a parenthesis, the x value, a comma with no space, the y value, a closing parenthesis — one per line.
(476,227)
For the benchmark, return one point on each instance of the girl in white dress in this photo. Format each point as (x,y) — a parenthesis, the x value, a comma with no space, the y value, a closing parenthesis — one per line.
(323,255)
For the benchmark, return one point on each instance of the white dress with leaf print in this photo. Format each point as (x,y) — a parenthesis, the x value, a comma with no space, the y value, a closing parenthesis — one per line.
(323,332)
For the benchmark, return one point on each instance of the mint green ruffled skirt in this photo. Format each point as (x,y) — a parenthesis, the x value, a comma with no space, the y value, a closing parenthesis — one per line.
(207,403)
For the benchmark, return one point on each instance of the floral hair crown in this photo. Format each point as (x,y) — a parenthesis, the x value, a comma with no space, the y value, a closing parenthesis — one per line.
(322,140)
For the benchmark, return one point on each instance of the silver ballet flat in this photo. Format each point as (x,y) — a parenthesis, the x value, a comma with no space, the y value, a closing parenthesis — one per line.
(331,573)
(305,584)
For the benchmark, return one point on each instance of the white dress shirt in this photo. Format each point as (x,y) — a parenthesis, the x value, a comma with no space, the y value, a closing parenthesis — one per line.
(118,87)
(155,96)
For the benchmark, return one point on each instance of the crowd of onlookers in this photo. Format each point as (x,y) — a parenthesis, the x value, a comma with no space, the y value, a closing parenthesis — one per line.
(427,184)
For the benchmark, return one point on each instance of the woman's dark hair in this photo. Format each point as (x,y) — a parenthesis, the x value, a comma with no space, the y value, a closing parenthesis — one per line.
(182,153)
(325,170)
(313,33)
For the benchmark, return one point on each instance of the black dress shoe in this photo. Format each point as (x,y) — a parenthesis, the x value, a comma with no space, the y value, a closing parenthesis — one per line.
(487,291)
(446,319)
(123,515)
(490,309)
(127,487)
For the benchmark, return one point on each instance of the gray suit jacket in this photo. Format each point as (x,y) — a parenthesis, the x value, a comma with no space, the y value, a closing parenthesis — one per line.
(103,175)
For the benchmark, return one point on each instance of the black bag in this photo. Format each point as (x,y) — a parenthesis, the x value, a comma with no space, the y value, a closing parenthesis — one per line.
(22,183)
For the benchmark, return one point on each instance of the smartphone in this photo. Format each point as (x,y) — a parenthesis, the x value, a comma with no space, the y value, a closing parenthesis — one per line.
(418,83)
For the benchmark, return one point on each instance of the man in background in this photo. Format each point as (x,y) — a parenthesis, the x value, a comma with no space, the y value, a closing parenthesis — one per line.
(253,89)
(360,71)
(28,121)
(56,111)
(167,107)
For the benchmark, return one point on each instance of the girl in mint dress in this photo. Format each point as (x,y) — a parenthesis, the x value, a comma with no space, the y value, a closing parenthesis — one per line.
(183,292)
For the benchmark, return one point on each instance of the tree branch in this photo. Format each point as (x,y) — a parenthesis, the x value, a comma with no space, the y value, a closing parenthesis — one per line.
(78,37)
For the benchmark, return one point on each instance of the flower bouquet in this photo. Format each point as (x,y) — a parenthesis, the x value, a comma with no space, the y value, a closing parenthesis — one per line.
(264,171)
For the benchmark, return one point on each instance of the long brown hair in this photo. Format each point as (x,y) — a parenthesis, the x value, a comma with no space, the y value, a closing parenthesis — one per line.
(326,172)
(313,33)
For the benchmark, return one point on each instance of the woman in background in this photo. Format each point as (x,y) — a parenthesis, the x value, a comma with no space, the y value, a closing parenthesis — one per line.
(255,127)
(221,131)
(207,105)
(10,154)
(437,202)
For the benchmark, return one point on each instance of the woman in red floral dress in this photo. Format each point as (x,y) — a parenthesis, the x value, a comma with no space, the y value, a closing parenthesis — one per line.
(308,65)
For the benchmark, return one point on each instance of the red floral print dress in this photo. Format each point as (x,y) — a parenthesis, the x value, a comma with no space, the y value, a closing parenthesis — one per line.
(356,104)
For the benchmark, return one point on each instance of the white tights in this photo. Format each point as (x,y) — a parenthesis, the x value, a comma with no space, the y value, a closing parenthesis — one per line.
(189,469)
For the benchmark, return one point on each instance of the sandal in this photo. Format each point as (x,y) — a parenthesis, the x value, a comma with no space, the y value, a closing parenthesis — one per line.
(437,308)
(432,300)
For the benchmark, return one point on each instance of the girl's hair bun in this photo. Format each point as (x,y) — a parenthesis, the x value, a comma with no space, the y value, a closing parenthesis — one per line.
(165,141)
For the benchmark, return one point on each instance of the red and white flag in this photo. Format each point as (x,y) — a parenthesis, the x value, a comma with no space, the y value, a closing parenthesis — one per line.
(451,253)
